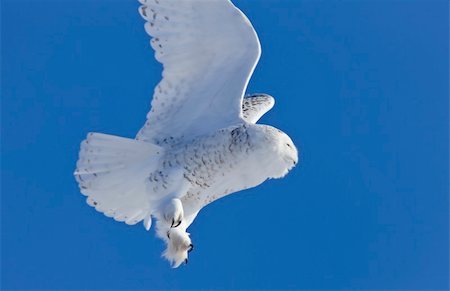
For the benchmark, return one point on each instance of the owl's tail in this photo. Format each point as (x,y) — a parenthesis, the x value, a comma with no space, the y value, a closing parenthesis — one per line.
(111,172)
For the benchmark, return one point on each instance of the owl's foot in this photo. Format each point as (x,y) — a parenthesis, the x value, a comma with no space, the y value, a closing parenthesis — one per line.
(176,223)
(178,246)
(173,213)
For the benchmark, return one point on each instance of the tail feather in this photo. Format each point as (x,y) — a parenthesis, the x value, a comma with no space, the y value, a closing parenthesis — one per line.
(111,171)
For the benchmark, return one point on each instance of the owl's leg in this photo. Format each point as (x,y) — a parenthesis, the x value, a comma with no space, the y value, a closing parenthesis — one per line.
(177,239)
(173,213)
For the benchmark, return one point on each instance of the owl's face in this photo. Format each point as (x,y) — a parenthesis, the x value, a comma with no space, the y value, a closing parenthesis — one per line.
(288,150)
(279,148)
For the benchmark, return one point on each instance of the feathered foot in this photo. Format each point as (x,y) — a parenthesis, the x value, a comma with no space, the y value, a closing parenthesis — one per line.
(178,246)
(178,243)
(173,213)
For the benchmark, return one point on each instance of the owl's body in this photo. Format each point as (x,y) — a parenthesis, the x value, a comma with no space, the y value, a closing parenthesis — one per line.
(213,166)
(201,141)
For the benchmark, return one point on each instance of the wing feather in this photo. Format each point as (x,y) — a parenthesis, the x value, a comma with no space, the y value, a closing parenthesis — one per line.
(255,106)
(209,50)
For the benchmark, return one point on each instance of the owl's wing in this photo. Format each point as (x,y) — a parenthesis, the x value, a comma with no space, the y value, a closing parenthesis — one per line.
(209,50)
(255,106)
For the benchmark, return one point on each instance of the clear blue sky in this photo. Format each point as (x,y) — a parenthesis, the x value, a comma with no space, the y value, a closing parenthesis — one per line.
(362,87)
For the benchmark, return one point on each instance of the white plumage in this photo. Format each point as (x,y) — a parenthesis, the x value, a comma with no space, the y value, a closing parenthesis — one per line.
(209,51)
(201,141)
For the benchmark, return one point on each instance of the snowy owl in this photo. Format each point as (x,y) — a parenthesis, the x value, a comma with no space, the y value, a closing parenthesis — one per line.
(200,141)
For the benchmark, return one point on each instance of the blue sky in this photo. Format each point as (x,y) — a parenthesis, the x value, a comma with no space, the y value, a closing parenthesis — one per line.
(362,88)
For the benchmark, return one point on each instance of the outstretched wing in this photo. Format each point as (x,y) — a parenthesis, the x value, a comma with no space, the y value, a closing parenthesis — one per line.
(209,50)
(255,106)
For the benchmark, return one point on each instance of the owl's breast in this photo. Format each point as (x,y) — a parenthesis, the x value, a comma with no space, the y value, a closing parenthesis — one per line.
(221,164)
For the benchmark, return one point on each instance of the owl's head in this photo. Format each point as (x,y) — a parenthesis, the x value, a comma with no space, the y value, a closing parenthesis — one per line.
(287,151)
(279,151)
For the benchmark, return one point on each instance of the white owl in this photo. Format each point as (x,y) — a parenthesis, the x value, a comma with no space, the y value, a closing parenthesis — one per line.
(201,141)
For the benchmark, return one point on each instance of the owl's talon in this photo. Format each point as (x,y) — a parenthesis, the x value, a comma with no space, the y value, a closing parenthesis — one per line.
(173,222)
(191,248)
(173,213)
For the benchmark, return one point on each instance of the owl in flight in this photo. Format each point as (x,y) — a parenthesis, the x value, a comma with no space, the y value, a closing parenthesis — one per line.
(200,141)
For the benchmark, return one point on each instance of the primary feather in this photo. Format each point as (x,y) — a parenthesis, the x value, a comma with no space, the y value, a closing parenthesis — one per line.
(208,50)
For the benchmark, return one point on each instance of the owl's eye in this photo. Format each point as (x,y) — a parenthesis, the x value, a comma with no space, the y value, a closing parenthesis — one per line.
(288,145)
